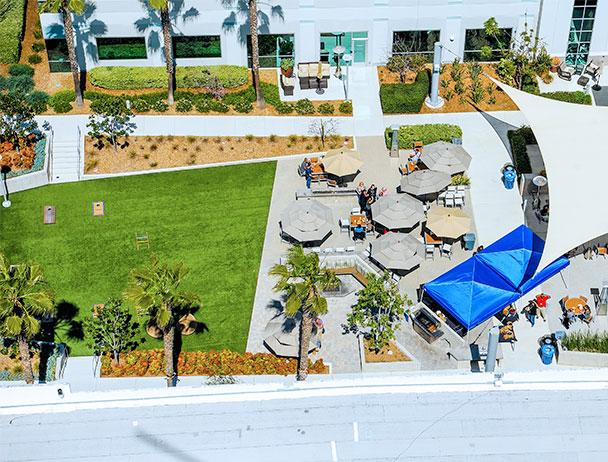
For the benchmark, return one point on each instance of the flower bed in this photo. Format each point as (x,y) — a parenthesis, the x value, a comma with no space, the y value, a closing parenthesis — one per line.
(31,158)
(150,363)
(140,78)
(427,133)
(519,139)
(576,97)
(589,342)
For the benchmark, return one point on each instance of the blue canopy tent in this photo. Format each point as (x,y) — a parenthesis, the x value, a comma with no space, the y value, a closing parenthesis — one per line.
(503,272)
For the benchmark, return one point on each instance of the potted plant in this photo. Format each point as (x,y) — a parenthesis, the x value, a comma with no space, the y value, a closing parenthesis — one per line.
(555,62)
(287,67)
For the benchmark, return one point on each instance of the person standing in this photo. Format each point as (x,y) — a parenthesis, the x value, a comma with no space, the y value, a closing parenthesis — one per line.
(541,303)
(531,311)
(372,192)
(361,191)
(308,175)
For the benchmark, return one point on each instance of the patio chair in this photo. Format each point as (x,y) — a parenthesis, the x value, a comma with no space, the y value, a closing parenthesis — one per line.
(449,201)
(446,249)
(344,225)
(429,251)
(395,277)
(458,201)
(441,197)
(142,240)
(565,71)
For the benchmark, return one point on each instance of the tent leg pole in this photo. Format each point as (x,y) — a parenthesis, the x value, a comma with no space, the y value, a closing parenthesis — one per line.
(563,280)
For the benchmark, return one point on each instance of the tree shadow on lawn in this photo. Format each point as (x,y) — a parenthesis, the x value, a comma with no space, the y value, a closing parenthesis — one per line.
(201,328)
(53,329)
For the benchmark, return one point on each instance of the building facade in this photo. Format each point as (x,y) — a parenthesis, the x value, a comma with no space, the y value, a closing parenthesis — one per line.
(126,32)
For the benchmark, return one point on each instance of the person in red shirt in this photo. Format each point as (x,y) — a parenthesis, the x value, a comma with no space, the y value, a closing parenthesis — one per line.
(541,303)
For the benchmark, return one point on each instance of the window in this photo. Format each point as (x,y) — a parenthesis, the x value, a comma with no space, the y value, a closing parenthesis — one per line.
(122,48)
(581,30)
(202,46)
(476,39)
(415,41)
(57,52)
(272,48)
(354,43)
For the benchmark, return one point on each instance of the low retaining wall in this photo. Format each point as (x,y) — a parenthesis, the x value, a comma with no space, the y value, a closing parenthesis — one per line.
(582,359)
(33,179)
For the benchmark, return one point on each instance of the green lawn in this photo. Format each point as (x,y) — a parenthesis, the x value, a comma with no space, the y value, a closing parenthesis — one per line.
(212,219)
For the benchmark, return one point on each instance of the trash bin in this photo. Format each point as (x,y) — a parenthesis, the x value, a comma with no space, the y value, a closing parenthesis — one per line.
(546,352)
(508,177)
(469,241)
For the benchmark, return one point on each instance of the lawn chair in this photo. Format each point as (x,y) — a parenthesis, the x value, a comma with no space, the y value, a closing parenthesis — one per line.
(446,249)
(142,240)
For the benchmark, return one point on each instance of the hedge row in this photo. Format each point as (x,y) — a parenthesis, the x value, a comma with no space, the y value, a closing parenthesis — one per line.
(427,133)
(399,98)
(519,139)
(577,97)
(141,78)
(11,29)
(142,363)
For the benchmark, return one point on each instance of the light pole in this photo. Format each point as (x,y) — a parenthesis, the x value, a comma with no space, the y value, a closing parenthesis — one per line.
(338,50)
(348,59)
(5,170)
(434,101)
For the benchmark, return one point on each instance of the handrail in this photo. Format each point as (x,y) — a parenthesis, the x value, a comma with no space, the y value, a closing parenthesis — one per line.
(78,140)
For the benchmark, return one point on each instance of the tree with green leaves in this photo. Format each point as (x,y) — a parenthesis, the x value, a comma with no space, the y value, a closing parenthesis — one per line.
(303,280)
(111,121)
(25,299)
(378,312)
(66,8)
(155,290)
(17,120)
(112,330)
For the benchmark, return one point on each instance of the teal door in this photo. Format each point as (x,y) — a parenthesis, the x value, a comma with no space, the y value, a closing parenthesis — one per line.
(359,50)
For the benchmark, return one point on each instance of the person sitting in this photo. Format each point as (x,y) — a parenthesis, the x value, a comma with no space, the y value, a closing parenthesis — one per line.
(586,316)
(358,232)
(305,165)
(544,212)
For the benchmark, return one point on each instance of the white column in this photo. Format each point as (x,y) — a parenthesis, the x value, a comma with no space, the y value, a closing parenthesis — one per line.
(307,42)
(380,45)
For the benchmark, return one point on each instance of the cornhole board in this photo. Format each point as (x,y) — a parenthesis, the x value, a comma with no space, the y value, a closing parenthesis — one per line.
(49,215)
(99,209)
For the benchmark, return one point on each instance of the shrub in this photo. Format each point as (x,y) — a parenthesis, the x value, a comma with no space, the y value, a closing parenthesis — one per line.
(346,107)
(34,59)
(11,29)
(461,180)
(209,363)
(272,138)
(304,106)
(397,98)
(202,106)
(38,46)
(20,69)
(519,140)
(60,106)
(284,108)
(159,106)
(22,83)
(102,102)
(576,97)
(183,105)
(133,78)
(427,133)
(38,33)
(218,106)
(140,105)
(326,108)
(38,100)
(243,107)
(586,341)
(67,95)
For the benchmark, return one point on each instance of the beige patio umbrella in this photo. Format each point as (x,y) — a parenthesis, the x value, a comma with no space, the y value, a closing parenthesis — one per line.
(448,222)
(397,211)
(398,251)
(342,162)
(307,220)
(445,157)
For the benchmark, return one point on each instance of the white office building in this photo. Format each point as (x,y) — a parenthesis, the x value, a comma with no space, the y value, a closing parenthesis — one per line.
(125,32)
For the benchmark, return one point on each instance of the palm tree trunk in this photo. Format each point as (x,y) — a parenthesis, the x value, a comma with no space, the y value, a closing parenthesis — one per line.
(168,50)
(69,40)
(255,53)
(169,344)
(26,361)
(305,334)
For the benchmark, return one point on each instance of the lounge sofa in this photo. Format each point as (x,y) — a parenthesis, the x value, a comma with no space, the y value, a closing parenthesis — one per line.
(307,75)
(565,71)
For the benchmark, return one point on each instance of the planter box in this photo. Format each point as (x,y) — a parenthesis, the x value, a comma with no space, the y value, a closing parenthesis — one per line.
(397,366)
(582,359)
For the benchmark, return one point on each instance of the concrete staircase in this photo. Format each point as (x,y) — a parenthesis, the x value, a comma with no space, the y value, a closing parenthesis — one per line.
(66,160)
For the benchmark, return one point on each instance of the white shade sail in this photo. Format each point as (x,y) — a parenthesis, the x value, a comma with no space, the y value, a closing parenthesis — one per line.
(572,141)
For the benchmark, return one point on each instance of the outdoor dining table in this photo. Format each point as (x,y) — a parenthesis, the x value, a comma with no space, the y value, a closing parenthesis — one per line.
(576,304)
(358,220)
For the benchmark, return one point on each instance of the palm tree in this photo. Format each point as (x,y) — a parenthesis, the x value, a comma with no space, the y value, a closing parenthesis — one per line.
(154,289)
(66,8)
(250,7)
(24,300)
(163,7)
(303,280)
